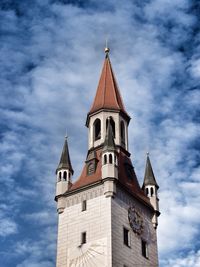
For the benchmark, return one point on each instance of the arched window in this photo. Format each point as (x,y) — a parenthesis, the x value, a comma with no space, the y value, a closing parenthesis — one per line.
(151,191)
(110,158)
(105,159)
(122,132)
(97,129)
(65,176)
(112,125)
(60,176)
(147,191)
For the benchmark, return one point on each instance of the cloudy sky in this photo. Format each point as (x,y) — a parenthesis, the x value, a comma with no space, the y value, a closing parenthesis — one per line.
(51,55)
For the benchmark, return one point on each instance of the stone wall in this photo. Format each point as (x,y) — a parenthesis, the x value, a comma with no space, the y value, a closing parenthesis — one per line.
(103,221)
(95,221)
(123,255)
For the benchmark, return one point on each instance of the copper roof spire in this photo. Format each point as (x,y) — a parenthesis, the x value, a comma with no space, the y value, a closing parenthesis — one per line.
(149,178)
(108,95)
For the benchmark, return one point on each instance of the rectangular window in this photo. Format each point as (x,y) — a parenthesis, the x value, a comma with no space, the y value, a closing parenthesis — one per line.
(144,249)
(126,237)
(83,238)
(84,205)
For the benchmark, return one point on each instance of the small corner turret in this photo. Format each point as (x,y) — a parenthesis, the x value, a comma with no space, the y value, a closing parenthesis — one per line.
(109,162)
(150,188)
(64,173)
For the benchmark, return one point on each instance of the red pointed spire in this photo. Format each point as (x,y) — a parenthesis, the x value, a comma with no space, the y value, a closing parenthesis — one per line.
(107,95)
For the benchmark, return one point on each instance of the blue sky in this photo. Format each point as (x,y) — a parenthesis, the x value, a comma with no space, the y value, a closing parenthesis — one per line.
(51,54)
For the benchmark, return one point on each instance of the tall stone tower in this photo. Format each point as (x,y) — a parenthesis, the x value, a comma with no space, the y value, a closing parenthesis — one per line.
(105,219)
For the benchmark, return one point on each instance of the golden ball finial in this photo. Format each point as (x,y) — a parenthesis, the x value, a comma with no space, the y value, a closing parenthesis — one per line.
(107,50)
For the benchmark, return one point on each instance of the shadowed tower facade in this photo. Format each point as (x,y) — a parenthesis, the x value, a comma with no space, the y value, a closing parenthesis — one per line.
(105,219)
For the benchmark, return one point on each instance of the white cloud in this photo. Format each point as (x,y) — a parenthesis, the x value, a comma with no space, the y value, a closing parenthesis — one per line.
(42,217)
(178,223)
(192,259)
(7,227)
(195,68)
(37,252)
(28,263)
(64,48)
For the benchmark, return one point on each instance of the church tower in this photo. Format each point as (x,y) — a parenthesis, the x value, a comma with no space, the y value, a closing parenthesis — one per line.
(105,219)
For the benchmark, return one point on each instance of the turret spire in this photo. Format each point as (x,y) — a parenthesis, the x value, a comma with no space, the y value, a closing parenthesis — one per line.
(63,173)
(150,188)
(65,162)
(149,178)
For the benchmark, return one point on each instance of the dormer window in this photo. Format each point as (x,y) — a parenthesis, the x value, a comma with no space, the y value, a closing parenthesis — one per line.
(91,168)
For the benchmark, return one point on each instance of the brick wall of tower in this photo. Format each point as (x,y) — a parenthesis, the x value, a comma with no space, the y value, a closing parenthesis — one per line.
(123,255)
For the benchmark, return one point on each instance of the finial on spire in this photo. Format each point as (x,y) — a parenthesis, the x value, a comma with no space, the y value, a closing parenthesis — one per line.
(147,154)
(107,49)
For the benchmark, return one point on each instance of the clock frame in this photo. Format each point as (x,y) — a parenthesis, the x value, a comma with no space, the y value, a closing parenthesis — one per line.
(136,221)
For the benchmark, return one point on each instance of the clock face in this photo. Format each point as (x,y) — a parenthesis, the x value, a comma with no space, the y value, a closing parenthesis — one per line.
(89,254)
(135,220)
